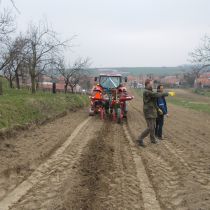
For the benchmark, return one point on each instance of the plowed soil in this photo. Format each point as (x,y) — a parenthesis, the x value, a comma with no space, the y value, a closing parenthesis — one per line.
(80,162)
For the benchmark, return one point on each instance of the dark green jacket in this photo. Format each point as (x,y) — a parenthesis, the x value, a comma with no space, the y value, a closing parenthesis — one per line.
(150,103)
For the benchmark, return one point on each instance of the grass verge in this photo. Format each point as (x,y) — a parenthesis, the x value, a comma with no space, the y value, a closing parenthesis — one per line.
(203,92)
(20,107)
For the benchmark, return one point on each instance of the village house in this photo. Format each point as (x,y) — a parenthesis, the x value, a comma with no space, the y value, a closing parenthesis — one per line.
(203,81)
(171,81)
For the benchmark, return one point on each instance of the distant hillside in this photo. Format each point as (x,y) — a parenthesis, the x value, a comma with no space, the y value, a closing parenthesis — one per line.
(141,70)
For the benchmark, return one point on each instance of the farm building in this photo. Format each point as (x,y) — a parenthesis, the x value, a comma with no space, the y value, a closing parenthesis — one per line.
(171,81)
(46,84)
(203,81)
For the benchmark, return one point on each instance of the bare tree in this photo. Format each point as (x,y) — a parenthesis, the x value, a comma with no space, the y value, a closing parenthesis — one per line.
(72,73)
(18,61)
(6,64)
(79,68)
(14,5)
(74,80)
(190,77)
(200,57)
(65,72)
(85,81)
(13,59)
(42,45)
(7,24)
(5,58)
(9,75)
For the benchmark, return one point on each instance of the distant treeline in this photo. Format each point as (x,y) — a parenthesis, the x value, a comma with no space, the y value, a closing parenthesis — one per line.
(142,70)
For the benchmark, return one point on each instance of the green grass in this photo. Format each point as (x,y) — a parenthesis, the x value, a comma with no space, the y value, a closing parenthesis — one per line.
(203,92)
(19,107)
(186,103)
(198,106)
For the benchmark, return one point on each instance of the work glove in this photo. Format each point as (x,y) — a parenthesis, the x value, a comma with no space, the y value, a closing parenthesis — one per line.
(160,112)
(171,93)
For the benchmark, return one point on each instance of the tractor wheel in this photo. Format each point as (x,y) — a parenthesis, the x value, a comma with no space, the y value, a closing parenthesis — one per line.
(91,112)
(119,115)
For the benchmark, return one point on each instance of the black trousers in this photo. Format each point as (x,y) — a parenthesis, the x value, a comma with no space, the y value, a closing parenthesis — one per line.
(159,126)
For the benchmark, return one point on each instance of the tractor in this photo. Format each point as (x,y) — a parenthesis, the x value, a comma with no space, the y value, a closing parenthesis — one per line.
(109,97)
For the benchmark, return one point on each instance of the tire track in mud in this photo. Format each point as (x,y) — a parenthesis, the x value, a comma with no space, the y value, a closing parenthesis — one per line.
(195,176)
(93,169)
(21,154)
(46,173)
(178,168)
(165,180)
(156,166)
(126,168)
(197,170)
(177,183)
(196,167)
(102,168)
(190,146)
(148,193)
(88,186)
(106,177)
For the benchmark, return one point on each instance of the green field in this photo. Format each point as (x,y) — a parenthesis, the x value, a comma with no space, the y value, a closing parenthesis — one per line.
(19,107)
(186,103)
(203,92)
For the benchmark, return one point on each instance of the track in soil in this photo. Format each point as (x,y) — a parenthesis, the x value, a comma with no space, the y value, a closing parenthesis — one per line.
(106,177)
(95,168)
(100,167)
(179,167)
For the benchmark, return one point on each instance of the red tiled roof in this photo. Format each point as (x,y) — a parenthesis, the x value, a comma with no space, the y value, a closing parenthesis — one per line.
(170,80)
(204,79)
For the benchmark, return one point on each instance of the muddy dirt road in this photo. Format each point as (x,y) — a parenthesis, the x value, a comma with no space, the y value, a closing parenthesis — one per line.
(77,162)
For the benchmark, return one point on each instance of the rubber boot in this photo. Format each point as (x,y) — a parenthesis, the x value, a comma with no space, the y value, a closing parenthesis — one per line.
(141,143)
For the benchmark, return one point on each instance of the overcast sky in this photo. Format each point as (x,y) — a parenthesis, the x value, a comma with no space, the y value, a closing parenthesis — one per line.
(123,32)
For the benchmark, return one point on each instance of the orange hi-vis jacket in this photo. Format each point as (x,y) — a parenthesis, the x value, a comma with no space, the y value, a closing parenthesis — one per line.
(98,96)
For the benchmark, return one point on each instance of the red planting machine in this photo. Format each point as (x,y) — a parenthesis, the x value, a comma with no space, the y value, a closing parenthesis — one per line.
(109,97)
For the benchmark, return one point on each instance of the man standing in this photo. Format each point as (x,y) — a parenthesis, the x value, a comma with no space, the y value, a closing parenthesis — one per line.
(150,112)
(163,110)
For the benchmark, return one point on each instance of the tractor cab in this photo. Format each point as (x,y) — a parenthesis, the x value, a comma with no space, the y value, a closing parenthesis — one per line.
(110,81)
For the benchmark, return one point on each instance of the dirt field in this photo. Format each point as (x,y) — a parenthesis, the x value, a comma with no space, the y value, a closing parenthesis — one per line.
(80,162)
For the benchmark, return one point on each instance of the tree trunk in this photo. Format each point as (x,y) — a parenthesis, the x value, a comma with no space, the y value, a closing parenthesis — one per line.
(65,87)
(72,89)
(32,72)
(37,85)
(10,82)
(1,89)
(17,80)
(33,85)
(54,87)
